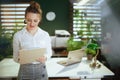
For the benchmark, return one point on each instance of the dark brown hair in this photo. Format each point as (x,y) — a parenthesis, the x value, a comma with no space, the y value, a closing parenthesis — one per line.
(34,8)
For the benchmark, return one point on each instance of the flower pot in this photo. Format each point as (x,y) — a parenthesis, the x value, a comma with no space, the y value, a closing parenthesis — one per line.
(89,57)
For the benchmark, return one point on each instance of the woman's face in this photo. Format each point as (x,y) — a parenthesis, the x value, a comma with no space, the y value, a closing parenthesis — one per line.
(32,20)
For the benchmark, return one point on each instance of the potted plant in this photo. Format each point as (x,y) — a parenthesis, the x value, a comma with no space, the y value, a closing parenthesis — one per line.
(5,44)
(91,50)
(74,45)
(84,34)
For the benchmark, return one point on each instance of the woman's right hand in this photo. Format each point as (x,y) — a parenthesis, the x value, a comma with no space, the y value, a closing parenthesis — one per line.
(42,59)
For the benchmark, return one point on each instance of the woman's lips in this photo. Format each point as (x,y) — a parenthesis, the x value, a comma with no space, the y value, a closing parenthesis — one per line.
(31,26)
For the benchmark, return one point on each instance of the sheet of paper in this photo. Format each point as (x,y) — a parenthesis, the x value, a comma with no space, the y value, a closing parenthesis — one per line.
(30,55)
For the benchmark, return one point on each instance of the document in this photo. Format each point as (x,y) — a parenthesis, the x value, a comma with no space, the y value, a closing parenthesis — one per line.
(30,55)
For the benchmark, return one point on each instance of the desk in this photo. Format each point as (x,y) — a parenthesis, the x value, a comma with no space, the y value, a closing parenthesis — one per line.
(9,69)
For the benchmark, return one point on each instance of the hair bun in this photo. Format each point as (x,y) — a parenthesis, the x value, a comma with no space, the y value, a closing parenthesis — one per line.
(34,4)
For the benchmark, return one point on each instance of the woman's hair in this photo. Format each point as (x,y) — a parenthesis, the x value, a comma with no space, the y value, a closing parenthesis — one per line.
(34,8)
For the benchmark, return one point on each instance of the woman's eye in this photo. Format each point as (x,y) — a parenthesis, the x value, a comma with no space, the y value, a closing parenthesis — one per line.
(28,20)
(35,20)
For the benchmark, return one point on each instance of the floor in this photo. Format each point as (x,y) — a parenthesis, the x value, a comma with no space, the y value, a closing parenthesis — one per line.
(49,79)
(5,79)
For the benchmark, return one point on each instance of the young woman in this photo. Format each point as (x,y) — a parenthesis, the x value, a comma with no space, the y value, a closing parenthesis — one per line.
(31,36)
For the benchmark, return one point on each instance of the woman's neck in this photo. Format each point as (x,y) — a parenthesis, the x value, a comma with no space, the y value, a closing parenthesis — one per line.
(33,31)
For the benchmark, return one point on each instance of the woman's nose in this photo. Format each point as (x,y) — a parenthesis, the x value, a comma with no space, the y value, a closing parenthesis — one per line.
(32,23)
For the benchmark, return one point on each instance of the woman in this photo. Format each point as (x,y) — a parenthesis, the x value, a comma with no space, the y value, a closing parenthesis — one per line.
(31,36)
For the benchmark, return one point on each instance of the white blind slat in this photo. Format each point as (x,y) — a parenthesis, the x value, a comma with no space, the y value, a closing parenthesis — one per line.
(87,13)
(12,16)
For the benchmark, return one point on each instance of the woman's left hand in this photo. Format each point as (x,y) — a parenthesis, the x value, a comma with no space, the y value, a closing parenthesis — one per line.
(42,59)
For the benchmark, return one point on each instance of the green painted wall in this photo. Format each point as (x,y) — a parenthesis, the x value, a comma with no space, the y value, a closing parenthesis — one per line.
(61,8)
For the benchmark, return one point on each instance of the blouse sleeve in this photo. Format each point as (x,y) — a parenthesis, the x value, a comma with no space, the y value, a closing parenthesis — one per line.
(49,47)
(15,47)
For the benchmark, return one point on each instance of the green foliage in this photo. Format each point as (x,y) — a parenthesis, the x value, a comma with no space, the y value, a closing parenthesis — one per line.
(80,33)
(5,44)
(76,13)
(92,48)
(74,45)
(90,51)
(85,23)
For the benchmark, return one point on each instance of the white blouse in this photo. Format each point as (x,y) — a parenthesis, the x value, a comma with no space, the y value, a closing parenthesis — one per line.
(24,40)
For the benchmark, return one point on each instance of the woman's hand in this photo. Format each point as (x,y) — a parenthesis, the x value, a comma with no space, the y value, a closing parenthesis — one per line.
(42,59)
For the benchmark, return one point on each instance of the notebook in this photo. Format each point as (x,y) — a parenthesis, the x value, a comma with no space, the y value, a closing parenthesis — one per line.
(72,58)
(30,55)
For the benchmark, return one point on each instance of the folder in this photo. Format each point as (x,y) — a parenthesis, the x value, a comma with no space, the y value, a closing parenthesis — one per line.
(30,55)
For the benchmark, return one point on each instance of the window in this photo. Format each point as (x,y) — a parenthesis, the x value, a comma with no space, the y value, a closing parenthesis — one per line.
(86,22)
(12,17)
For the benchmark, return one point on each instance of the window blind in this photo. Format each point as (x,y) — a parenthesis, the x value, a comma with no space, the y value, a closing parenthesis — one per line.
(86,22)
(12,17)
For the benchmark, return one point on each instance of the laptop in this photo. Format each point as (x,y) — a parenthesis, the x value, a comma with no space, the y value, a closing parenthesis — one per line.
(72,58)
(30,55)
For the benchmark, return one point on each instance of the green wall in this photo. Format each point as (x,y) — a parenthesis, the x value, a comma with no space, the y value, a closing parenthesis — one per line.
(61,8)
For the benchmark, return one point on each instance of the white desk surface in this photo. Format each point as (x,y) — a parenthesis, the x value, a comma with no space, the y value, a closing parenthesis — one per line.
(9,69)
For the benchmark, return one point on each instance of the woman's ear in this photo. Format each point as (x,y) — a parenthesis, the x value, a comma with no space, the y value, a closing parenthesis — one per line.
(40,22)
